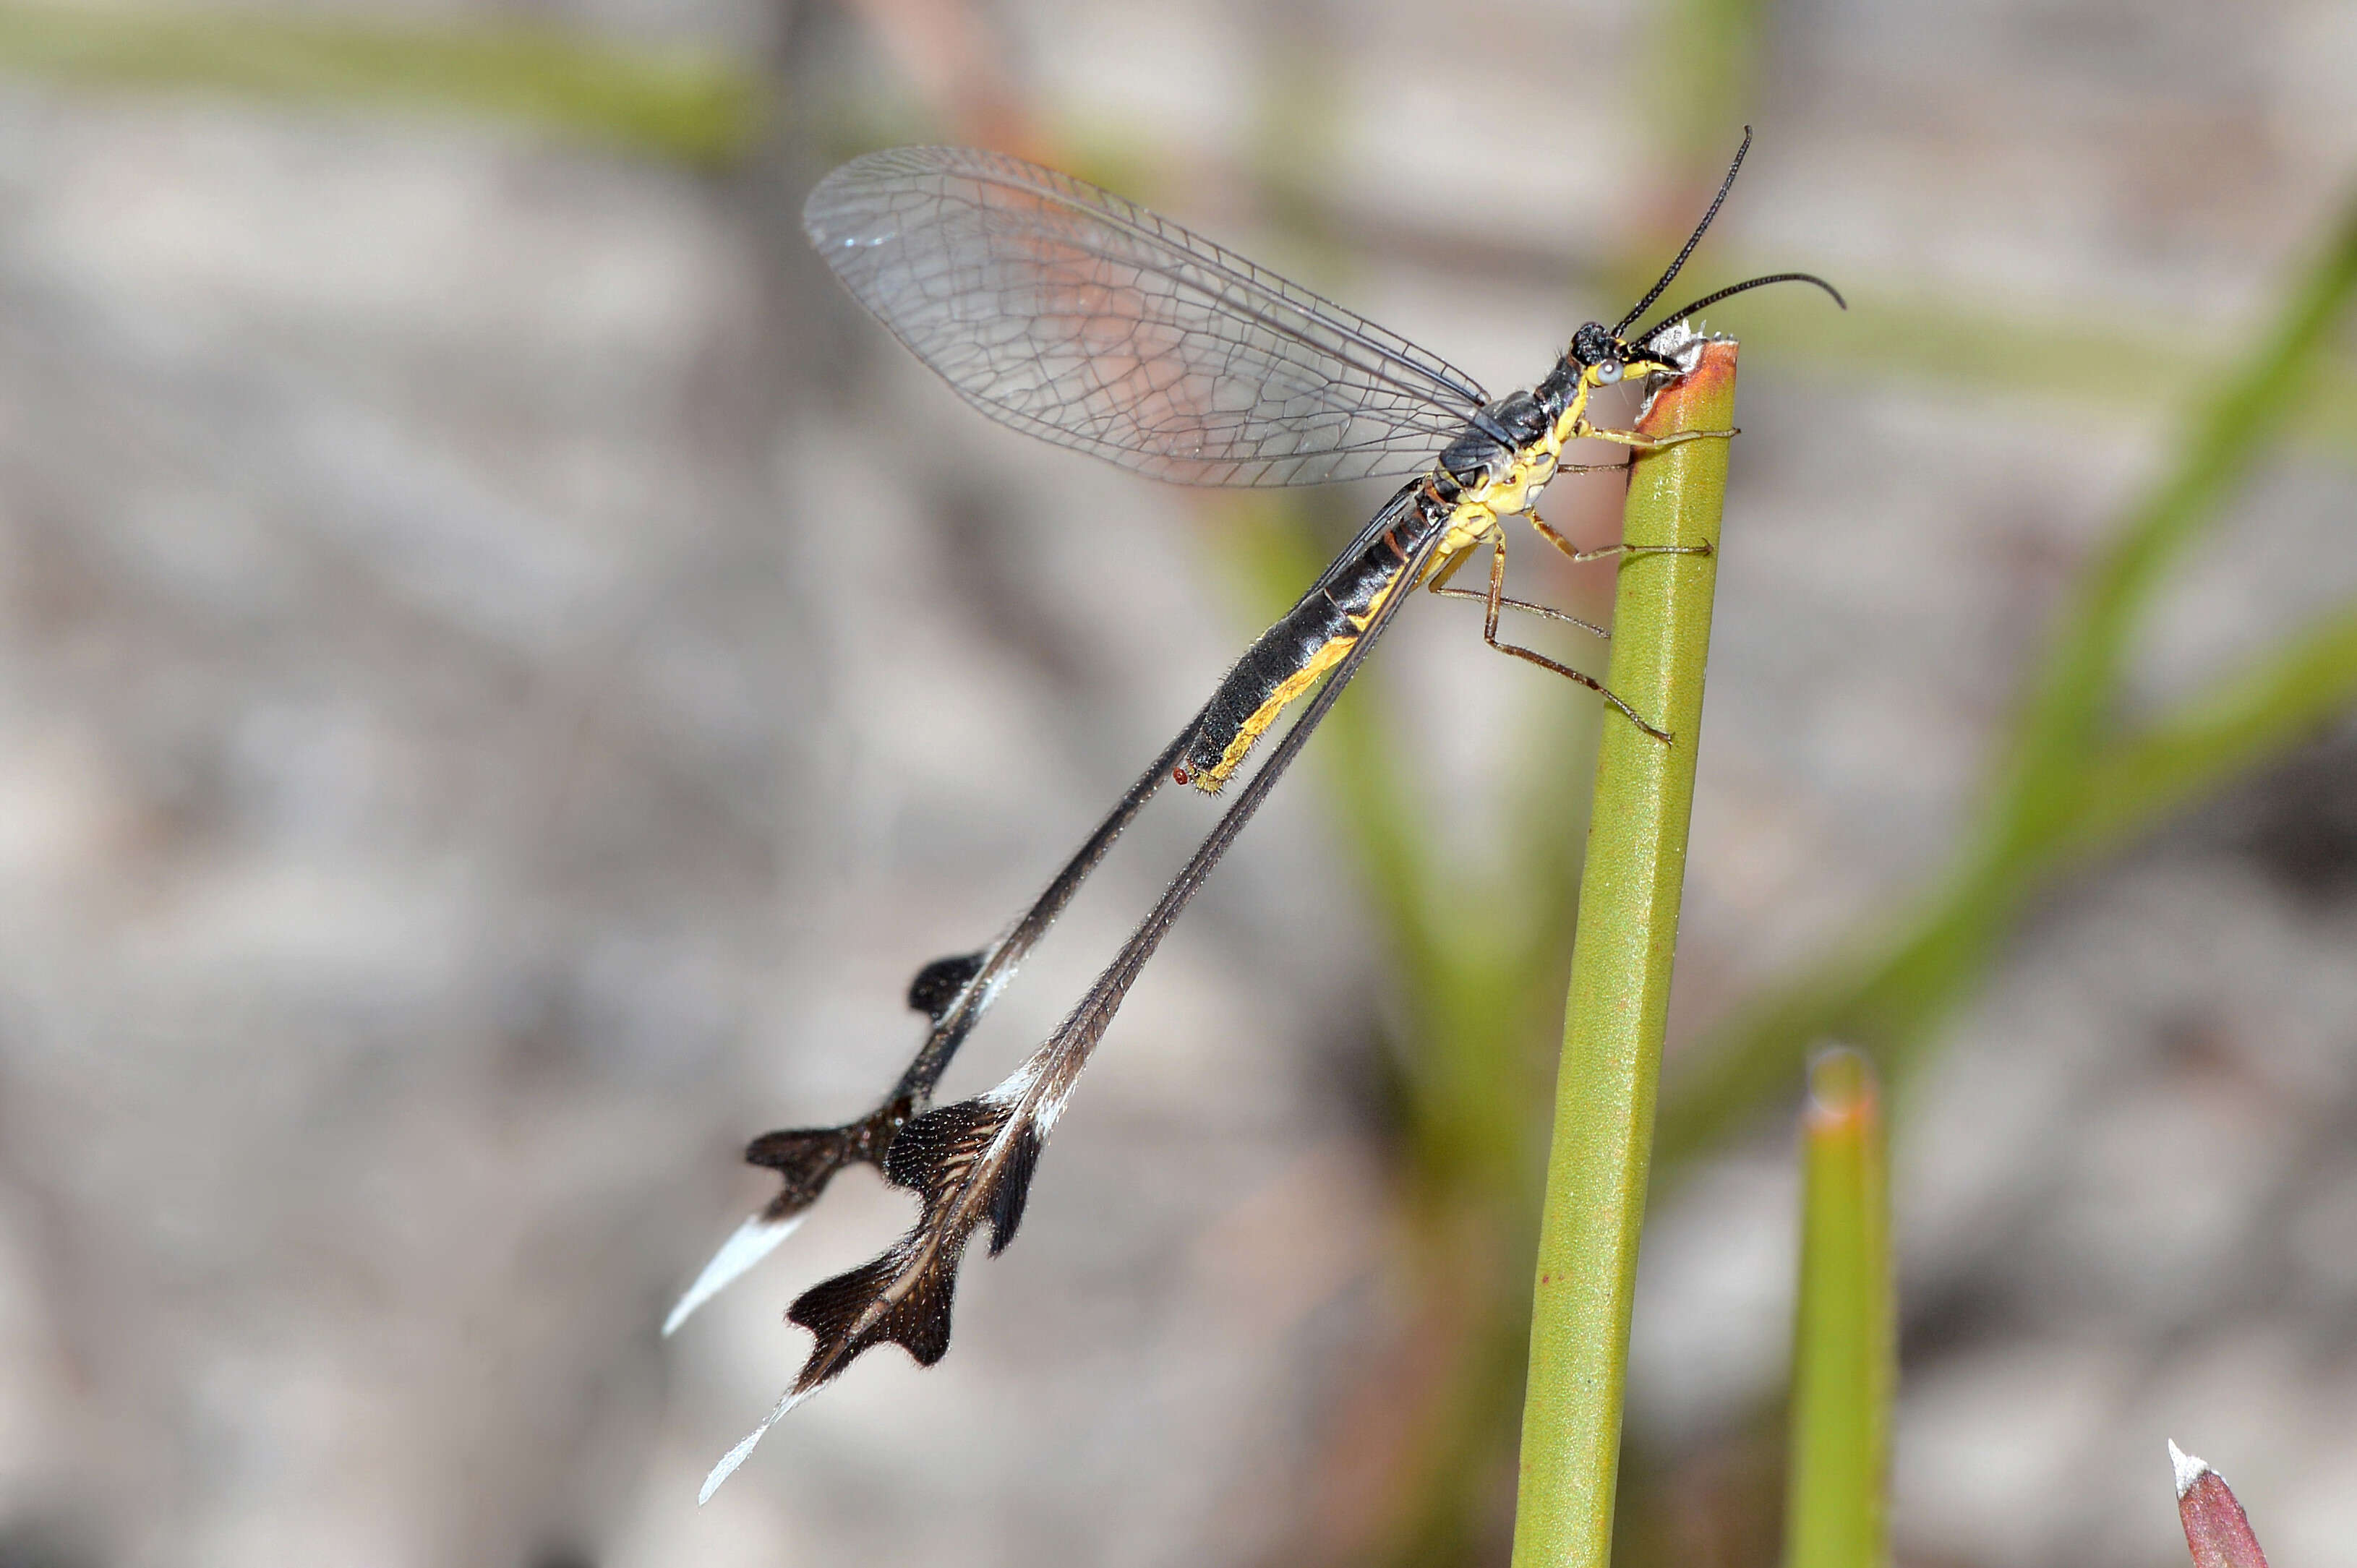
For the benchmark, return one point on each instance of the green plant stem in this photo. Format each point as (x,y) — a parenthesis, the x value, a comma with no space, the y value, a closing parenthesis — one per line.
(1894,991)
(2248,718)
(1618,1003)
(687,104)
(1845,1336)
(2069,784)
(2068,712)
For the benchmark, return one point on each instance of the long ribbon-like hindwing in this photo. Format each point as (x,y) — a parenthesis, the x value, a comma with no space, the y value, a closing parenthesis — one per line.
(968,1163)
(954,992)
(972,1161)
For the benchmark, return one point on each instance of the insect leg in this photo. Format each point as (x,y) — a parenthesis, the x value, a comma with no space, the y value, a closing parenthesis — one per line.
(1496,600)
(1438,582)
(1601,551)
(1638,441)
(1548,611)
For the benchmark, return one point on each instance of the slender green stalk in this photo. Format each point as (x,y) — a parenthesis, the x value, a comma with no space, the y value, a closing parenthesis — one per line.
(682,103)
(1844,1340)
(2246,719)
(2071,783)
(1620,986)
(2114,371)
(2066,716)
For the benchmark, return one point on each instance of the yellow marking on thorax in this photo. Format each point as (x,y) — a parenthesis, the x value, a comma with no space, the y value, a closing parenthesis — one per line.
(1480,510)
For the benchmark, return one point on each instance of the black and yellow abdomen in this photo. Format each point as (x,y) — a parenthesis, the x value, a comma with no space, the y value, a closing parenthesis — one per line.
(1311,637)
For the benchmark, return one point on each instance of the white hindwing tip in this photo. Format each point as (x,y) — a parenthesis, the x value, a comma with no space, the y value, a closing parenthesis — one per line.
(752,1242)
(736,1455)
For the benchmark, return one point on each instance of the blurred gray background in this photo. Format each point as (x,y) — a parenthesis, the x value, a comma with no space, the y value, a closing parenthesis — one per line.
(504,673)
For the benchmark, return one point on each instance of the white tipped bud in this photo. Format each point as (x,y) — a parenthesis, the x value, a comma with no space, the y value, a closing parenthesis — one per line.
(2189,1469)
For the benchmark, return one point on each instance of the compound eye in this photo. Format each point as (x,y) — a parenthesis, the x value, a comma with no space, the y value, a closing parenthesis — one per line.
(1609,371)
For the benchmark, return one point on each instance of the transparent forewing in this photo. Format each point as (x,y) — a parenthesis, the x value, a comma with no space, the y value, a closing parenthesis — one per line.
(1062,310)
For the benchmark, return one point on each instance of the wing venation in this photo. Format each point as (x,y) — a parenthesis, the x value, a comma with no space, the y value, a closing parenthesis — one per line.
(1067,312)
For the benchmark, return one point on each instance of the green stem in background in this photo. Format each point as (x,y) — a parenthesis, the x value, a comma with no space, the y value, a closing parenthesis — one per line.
(1706,55)
(691,105)
(2232,726)
(2067,718)
(1618,1003)
(1844,1344)
(699,105)
(2070,783)
(2114,371)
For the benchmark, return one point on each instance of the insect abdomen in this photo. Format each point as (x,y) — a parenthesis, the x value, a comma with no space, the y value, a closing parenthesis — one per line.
(1286,660)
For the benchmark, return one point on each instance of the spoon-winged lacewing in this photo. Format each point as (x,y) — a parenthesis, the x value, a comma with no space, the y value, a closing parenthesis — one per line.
(1065,311)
